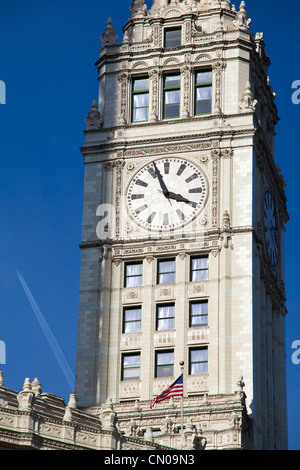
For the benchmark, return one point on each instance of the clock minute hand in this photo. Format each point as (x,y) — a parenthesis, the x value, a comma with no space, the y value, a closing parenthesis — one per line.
(161,181)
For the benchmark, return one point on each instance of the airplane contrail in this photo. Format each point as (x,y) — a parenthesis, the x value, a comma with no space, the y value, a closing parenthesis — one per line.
(67,371)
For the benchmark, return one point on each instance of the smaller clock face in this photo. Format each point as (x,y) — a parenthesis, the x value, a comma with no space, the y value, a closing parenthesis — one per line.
(271,230)
(166,194)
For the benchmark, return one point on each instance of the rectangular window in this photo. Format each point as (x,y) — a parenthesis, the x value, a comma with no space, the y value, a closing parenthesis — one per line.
(140,100)
(165,317)
(203,93)
(131,366)
(133,274)
(198,361)
(166,272)
(199,313)
(172,38)
(132,320)
(171,96)
(164,364)
(199,268)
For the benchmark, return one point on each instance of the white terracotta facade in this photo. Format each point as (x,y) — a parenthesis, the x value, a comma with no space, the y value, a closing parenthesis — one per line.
(239,401)
(233,147)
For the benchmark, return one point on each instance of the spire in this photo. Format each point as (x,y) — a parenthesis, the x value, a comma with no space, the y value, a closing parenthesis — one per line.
(94,119)
(242,21)
(109,37)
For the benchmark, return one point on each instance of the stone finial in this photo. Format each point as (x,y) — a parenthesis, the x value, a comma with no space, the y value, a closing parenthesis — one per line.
(73,401)
(240,395)
(242,21)
(149,434)
(109,36)
(225,4)
(226,219)
(241,384)
(137,405)
(72,405)
(247,102)
(94,119)
(26,396)
(132,428)
(36,387)
(108,416)
(138,8)
(1,379)
(68,415)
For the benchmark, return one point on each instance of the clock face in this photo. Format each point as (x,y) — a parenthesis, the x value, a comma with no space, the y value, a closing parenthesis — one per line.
(166,194)
(271,230)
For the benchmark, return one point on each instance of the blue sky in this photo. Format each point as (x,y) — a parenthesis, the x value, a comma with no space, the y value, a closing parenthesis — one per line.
(47,55)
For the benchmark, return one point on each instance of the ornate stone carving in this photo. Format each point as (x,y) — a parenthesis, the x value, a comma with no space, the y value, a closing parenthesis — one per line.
(167,149)
(186,72)
(123,80)
(248,102)
(215,177)
(242,18)
(108,416)
(109,36)
(94,119)
(217,69)
(138,8)
(154,76)
(26,397)
(226,236)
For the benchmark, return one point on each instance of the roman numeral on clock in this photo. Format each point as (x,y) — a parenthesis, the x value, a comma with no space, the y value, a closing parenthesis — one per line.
(141,183)
(195,190)
(181,169)
(151,218)
(141,209)
(166,219)
(180,214)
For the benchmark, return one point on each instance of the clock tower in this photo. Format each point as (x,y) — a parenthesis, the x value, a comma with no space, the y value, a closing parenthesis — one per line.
(184,217)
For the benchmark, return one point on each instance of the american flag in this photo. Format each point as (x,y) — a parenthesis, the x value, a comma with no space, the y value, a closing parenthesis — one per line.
(175,390)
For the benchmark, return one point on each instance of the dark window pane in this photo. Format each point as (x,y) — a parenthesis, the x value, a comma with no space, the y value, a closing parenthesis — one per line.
(203,107)
(172,111)
(172,38)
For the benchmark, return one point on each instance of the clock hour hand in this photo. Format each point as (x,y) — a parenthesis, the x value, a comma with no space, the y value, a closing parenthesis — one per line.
(178,198)
(161,181)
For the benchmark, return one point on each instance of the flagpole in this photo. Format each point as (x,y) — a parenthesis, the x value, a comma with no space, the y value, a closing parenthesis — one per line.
(182,371)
